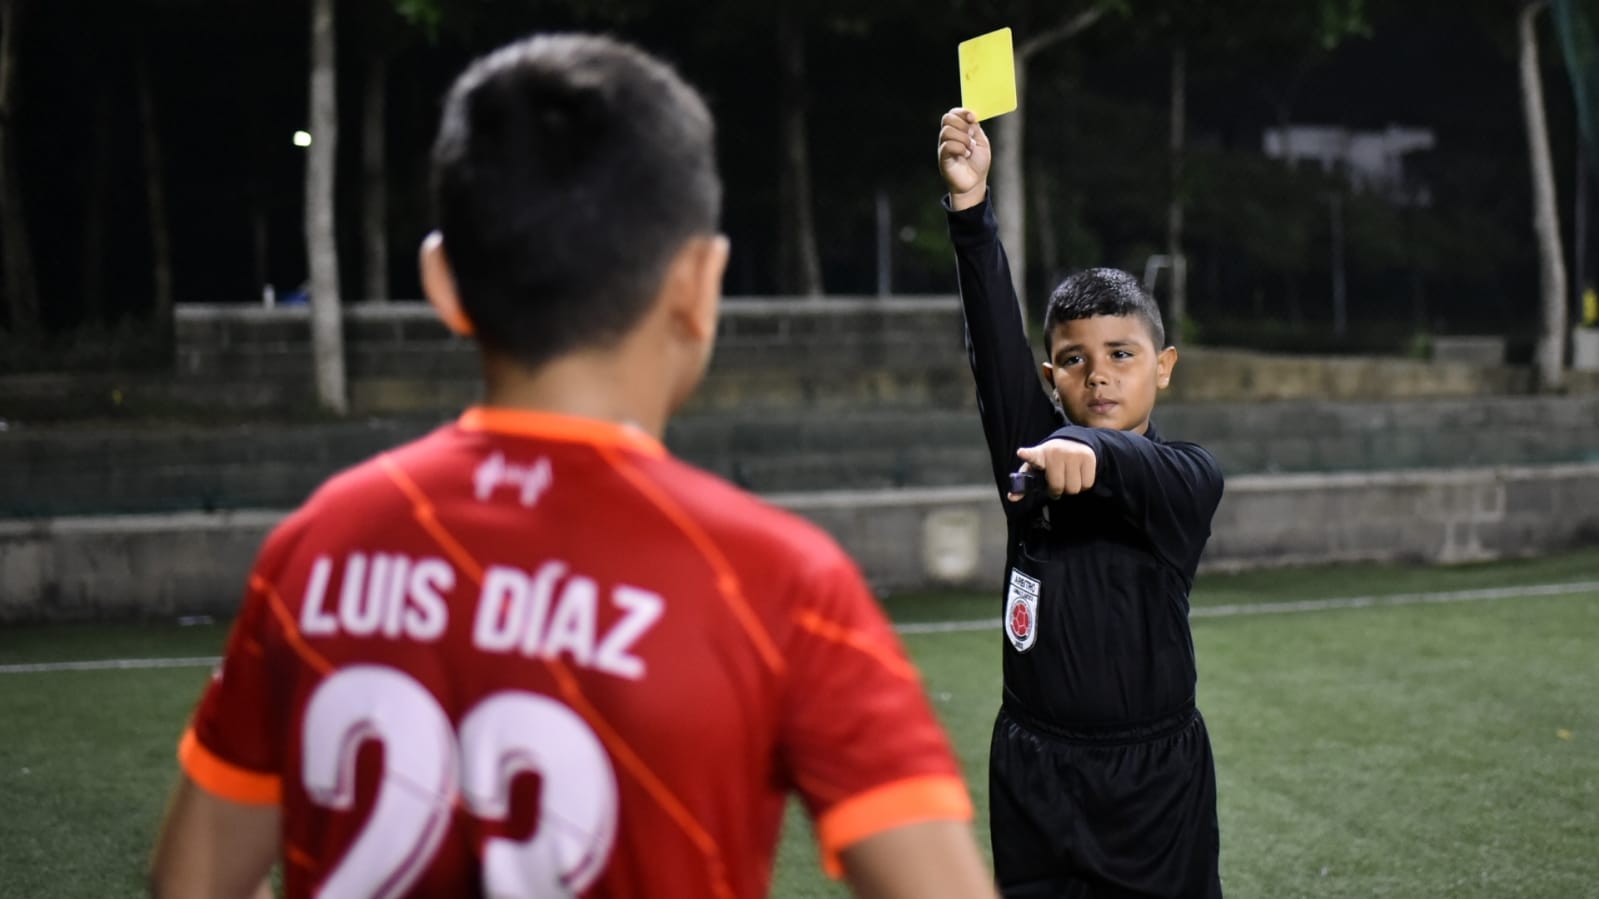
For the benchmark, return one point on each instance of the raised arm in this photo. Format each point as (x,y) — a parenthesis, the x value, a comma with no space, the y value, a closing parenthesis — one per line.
(1010,397)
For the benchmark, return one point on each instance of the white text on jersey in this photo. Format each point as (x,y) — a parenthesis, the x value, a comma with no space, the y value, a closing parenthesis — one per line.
(547,613)
(518,612)
(384,593)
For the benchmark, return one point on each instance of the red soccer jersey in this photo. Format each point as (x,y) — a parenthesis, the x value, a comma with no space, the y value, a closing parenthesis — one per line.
(536,655)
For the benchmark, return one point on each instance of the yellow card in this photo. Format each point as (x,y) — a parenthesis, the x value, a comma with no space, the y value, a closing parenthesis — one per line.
(988,74)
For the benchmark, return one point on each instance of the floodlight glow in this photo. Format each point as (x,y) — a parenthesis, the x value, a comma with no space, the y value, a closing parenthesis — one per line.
(302,138)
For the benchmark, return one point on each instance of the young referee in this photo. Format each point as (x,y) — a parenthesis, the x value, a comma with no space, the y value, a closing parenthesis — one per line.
(1101,778)
(531,653)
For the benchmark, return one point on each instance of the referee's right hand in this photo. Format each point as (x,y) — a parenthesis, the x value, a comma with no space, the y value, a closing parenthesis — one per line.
(964,156)
(1069,467)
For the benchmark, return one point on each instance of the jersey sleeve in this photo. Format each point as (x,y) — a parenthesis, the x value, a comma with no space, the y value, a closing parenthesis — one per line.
(1010,397)
(231,747)
(859,740)
(227,748)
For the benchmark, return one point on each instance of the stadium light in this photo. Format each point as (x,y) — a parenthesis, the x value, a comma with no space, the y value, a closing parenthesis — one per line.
(302,138)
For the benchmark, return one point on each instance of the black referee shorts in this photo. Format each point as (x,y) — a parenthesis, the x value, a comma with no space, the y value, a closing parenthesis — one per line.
(1107,814)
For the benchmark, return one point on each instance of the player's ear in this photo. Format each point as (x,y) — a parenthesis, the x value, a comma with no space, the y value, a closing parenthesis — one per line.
(1049,372)
(693,285)
(438,282)
(1164,363)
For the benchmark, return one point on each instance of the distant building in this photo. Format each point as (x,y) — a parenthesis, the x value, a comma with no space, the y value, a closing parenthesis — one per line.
(1373,161)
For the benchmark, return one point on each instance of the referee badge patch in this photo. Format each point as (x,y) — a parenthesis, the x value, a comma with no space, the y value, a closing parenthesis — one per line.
(1021,611)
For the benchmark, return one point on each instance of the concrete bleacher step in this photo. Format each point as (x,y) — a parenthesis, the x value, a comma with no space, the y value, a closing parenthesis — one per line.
(859,470)
(919,538)
(706,435)
(899,352)
(49,471)
(52,471)
(73,470)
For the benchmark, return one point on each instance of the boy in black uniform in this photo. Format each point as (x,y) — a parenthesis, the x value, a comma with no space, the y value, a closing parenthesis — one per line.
(1101,781)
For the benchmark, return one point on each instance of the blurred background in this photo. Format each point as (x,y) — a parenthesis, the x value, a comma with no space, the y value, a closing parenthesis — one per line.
(1344,175)
(1368,224)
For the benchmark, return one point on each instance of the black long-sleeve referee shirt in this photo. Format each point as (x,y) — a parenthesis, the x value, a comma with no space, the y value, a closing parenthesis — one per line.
(1096,585)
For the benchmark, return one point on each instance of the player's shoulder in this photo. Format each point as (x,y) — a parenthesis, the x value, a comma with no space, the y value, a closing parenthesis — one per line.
(736,518)
(372,481)
(364,492)
(1199,469)
(1193,453)
(1197,452)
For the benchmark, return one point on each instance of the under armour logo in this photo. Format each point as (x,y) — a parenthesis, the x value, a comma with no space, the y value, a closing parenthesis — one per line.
(529,480)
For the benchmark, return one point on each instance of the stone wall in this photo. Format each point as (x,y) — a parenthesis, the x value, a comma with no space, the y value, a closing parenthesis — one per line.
(836,352)
(75,470)
(857,413)
(1209,375)
(149,566)
(1444,516)
(127,566)
(1333,436)
(771,353)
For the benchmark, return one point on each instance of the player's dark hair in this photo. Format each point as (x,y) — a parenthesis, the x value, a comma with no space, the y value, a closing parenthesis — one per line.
(568,171)
(1102,291)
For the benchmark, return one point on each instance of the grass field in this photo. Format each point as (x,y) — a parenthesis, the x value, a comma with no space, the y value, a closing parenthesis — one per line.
(1418,746)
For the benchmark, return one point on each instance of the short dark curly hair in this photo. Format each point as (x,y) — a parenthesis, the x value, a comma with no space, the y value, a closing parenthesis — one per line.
(1102,291)
(568,172)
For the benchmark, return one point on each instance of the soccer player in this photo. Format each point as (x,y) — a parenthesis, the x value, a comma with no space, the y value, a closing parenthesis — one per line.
(531,654)
(1101,781)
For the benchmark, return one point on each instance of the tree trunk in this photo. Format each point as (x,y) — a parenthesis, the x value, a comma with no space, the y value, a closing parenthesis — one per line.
(16,251)
(155,195)
(1335,263)
(374,187)
(94,210)
(1049,239)
(885,244)
(260,248)
(1177,307)
(1579,229)
(1009,171)
(321,246)
(799,267)
(1551,265)
(1418,286)
(1010,185)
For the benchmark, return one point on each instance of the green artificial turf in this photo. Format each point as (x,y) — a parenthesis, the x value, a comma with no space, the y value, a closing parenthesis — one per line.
(1434,749)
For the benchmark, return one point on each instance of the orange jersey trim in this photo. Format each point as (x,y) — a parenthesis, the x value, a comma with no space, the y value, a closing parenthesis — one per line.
(552,426)
(860,641)
(647,778)
(426,516)
(727,582)
(937,797)
(298,857)
(224,779)
(291,628)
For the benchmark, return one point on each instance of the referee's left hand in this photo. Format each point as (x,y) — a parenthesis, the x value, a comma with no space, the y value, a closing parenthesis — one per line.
(1069,467)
